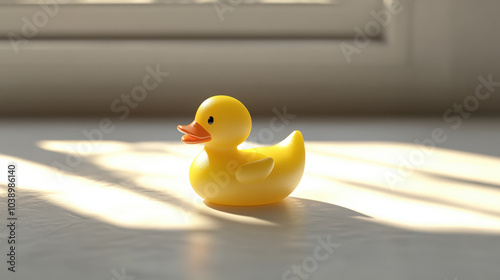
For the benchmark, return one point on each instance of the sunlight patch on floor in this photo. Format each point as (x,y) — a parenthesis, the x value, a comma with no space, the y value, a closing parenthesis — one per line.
(448,190)
(146,185)
(106,201)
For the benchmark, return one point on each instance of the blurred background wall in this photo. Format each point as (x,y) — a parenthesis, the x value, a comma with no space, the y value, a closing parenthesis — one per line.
(374,57)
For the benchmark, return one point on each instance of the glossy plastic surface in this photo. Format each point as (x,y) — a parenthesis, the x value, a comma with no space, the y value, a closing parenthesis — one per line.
(224,174)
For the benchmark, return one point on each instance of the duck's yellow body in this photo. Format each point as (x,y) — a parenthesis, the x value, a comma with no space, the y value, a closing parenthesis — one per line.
(224,174)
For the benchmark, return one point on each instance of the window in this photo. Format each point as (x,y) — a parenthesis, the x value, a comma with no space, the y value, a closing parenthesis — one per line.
(225,19)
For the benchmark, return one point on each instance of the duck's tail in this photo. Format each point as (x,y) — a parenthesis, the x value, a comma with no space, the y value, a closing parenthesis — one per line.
(294,145)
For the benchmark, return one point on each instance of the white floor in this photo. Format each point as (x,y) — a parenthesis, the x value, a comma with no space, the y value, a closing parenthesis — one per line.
(122,208)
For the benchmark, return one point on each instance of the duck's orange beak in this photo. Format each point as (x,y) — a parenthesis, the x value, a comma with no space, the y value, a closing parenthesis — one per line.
(195,133)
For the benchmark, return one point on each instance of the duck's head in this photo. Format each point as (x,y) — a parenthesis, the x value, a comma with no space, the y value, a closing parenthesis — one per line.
(221,121)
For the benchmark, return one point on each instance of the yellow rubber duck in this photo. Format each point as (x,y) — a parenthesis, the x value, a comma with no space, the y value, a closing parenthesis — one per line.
(224,174)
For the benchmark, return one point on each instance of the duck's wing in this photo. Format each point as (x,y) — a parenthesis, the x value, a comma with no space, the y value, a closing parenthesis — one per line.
(254,171)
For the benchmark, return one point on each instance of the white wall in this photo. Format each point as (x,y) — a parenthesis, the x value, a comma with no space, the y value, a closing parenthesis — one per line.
(428,58)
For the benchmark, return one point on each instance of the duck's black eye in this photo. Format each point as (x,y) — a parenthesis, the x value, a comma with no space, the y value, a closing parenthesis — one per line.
(210,120)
